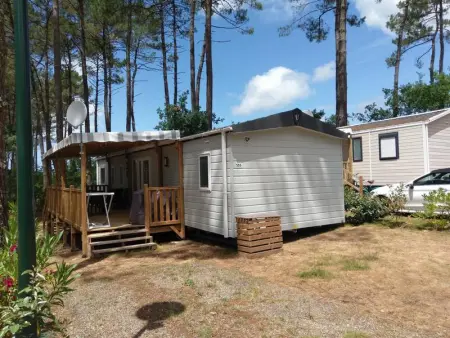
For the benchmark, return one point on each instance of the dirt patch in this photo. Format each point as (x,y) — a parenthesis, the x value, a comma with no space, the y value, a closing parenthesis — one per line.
(381,283)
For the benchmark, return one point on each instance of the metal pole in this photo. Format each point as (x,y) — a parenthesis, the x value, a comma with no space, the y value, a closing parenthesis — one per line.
(25,217)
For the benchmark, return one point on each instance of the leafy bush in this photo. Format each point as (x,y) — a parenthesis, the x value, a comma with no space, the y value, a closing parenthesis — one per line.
(436,207)
(49,283)
(397,199)
(350,198)
(366,208)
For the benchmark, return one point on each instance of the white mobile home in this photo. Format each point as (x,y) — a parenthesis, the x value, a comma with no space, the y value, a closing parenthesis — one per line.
(400,149)
(288,163)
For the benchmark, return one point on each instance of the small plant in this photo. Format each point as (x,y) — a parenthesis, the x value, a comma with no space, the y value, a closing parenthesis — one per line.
(352,264)
(396,200)
(189,282)
(315,273)
(205,332)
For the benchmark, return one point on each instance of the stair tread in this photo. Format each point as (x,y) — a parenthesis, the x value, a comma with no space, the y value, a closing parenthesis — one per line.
(121,248)
(119,227)
(116,233)
(131,239)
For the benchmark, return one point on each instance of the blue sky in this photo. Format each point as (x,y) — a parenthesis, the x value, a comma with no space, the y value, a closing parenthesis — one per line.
(263,73)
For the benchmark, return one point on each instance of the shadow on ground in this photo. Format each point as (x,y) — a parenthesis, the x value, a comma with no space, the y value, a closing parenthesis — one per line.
(156,313)
(290,236)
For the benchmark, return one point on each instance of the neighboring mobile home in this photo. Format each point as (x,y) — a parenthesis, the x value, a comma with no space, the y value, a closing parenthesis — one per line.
(288,164)
(400,149)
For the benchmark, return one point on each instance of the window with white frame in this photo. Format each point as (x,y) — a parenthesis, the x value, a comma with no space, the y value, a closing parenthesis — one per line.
(388,146)
(204,164)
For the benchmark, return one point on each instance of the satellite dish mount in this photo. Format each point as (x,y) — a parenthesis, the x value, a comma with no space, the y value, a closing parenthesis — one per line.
(76,114)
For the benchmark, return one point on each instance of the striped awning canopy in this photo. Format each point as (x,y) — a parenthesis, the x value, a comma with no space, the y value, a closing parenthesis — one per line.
(103,143)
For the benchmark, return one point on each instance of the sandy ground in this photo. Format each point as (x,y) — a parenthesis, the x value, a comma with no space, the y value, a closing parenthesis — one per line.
(374,282)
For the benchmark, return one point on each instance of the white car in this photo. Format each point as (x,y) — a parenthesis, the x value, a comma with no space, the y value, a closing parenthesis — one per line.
(414,190)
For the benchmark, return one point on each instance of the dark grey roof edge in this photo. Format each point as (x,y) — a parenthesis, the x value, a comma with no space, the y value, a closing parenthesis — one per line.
(294,117)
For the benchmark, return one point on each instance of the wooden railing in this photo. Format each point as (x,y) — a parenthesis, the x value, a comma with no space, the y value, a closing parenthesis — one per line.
(356,183)
(161,205)
(64,204)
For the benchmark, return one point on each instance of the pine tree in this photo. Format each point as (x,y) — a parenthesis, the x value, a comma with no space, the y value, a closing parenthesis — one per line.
(310,18)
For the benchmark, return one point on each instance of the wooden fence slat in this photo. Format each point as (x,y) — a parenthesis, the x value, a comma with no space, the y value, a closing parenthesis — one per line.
(174,210)
(161,206)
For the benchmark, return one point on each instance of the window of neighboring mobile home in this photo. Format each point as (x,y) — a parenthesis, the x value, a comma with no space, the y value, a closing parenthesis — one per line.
(357,149)
(388,144)
(204,165)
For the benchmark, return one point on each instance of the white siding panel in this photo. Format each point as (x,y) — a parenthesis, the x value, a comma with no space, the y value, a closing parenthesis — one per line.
(170,173)
(409,165)
(439,143)
(292,171)
(203,209)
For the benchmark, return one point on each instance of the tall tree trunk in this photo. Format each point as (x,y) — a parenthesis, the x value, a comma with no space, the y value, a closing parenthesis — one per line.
(341,62)
(110,81)
(164,54)
(209,66)
(398,58)
(175,53)
(97,65)
(441,37)
(47,117)
(105,82)
(200,73)
(133,82)
(57,70)
(128,64)
(194,105)
(69,84)
(433,46)
(84,71)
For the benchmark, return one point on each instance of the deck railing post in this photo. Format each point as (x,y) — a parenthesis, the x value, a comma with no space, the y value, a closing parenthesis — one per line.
(147,209)
(361,185)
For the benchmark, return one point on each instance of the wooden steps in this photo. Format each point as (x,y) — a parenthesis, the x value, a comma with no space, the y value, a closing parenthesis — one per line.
(122,238)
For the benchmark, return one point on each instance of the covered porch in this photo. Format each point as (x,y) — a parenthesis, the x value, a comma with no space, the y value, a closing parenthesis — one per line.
(133,170)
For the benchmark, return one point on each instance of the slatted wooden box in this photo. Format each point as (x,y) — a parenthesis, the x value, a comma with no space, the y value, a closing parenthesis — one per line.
(259,235)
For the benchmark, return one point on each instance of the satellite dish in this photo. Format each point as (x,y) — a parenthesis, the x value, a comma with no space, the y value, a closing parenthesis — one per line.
(76,113)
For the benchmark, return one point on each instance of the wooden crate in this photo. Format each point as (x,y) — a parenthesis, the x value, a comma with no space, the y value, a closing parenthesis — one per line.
(259,235)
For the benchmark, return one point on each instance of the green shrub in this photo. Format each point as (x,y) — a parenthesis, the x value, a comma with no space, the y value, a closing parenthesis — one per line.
(350,198)
(436,211)
(366,208)
(49,283)
(396,200)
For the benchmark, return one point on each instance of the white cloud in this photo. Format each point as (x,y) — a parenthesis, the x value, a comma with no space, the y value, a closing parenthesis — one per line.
(278,87)
(324,72)
(277,10)
(377,14)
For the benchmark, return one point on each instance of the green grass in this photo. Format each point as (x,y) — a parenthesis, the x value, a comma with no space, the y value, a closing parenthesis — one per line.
(205,332)
(189,282)
(355,334)
(315,273)
(370,257)
(352,264)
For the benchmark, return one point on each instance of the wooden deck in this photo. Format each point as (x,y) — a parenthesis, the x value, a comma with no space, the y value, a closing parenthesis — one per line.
(163,212)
